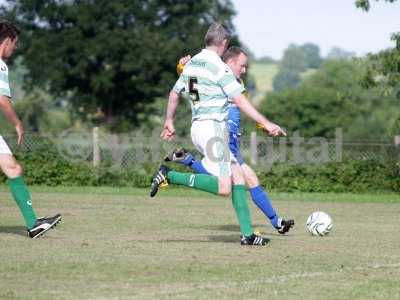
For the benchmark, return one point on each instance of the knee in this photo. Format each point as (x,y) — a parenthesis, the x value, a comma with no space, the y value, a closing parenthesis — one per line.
(225,193)
(238,179)
(14,170)
(251,177)
(224,188)
(252,182)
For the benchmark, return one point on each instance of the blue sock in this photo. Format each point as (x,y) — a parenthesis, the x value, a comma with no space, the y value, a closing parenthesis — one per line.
(188,160)
(260,198)
(198,167)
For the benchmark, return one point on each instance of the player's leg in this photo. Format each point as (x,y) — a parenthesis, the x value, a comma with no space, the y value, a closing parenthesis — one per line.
(239,201)
(258,195)
(240,204)
(18,188)
(182,156)
(261,199)
(203,182)
(13,170)
(208,137)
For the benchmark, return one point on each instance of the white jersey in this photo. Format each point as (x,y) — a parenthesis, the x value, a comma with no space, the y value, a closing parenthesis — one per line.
(4,84)
(210,84)
(5,91)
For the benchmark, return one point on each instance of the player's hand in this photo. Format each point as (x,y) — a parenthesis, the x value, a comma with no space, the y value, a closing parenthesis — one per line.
(183,60)
(272,129)
(168,132)
(20,133)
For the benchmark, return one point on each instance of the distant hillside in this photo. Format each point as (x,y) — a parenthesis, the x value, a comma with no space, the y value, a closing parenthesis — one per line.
(263,75)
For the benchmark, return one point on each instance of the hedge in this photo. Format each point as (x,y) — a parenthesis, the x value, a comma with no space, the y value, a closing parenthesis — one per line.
(48,168)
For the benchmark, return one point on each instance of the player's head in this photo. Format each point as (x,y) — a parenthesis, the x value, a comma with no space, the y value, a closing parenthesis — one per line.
(8,38)
(236,58)
(217,36)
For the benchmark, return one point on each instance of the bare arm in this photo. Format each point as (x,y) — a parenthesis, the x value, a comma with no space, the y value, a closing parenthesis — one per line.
(9,112)
(245,106)
(168,132)
(173,102)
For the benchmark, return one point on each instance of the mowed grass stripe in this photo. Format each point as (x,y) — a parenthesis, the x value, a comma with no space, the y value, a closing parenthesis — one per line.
(128,246)
(378,197)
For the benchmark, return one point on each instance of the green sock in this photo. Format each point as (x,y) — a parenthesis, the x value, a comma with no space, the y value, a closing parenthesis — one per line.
(239,201)
(202,182)
(21,195)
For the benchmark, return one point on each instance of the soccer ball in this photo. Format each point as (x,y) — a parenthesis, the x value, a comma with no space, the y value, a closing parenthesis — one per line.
(319,223)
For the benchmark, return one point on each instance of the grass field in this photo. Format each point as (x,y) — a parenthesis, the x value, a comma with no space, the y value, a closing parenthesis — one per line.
(263,75)
(120,244)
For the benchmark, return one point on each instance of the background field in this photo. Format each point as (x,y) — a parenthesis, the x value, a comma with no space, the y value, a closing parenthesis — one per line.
(263,75)
(120,244)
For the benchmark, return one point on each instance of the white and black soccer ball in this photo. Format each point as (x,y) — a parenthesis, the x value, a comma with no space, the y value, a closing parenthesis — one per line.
(319,223)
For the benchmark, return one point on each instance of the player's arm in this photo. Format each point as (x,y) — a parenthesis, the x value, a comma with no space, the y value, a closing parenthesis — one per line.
(9,112)
(234,90)
(245,106)
(168,132)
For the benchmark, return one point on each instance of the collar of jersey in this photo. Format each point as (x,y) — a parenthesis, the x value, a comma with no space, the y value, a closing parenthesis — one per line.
(211,52)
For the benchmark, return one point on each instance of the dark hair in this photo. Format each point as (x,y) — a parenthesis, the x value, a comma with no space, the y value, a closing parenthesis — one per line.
(232,52)
(216,34)
(8,30)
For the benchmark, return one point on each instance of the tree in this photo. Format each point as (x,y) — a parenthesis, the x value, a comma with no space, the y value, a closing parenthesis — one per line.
(286,79)
(333,98)
(312,56)
(115,57)
(339,53)
(365,4)
(266,60)
(383,68)
(294,59)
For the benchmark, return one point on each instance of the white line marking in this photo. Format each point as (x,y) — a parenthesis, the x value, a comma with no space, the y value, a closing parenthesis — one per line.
(172,289)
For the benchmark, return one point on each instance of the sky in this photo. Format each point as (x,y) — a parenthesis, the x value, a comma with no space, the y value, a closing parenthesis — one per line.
(267,27)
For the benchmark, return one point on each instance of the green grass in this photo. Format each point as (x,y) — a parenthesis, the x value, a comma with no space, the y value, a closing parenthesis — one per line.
(120,244)
(263,74)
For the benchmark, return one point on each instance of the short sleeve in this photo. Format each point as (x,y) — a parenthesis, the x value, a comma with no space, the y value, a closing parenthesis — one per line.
(4,84)
(230,84)
(179,85)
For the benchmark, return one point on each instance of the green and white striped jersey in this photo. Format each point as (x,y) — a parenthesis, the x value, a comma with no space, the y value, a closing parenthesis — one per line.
(209,84)
(4,84)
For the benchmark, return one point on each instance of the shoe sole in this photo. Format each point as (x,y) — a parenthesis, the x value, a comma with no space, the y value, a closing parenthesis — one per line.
(266,243)
(255,245)
(53,225)
(167,158)
(164,183)
(287,229)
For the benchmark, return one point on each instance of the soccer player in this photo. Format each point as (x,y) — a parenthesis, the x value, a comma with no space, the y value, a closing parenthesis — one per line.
(209,83)
(236,59)
(8,164)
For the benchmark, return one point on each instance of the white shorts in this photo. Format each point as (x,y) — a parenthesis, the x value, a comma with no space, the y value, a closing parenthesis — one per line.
(211,138)
(4,149)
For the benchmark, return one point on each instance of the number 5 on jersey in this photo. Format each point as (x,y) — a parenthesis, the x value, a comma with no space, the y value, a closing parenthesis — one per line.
(193,92)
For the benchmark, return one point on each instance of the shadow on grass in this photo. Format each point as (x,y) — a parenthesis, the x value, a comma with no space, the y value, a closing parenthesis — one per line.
(18,230)
(211,239)
(225,227)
